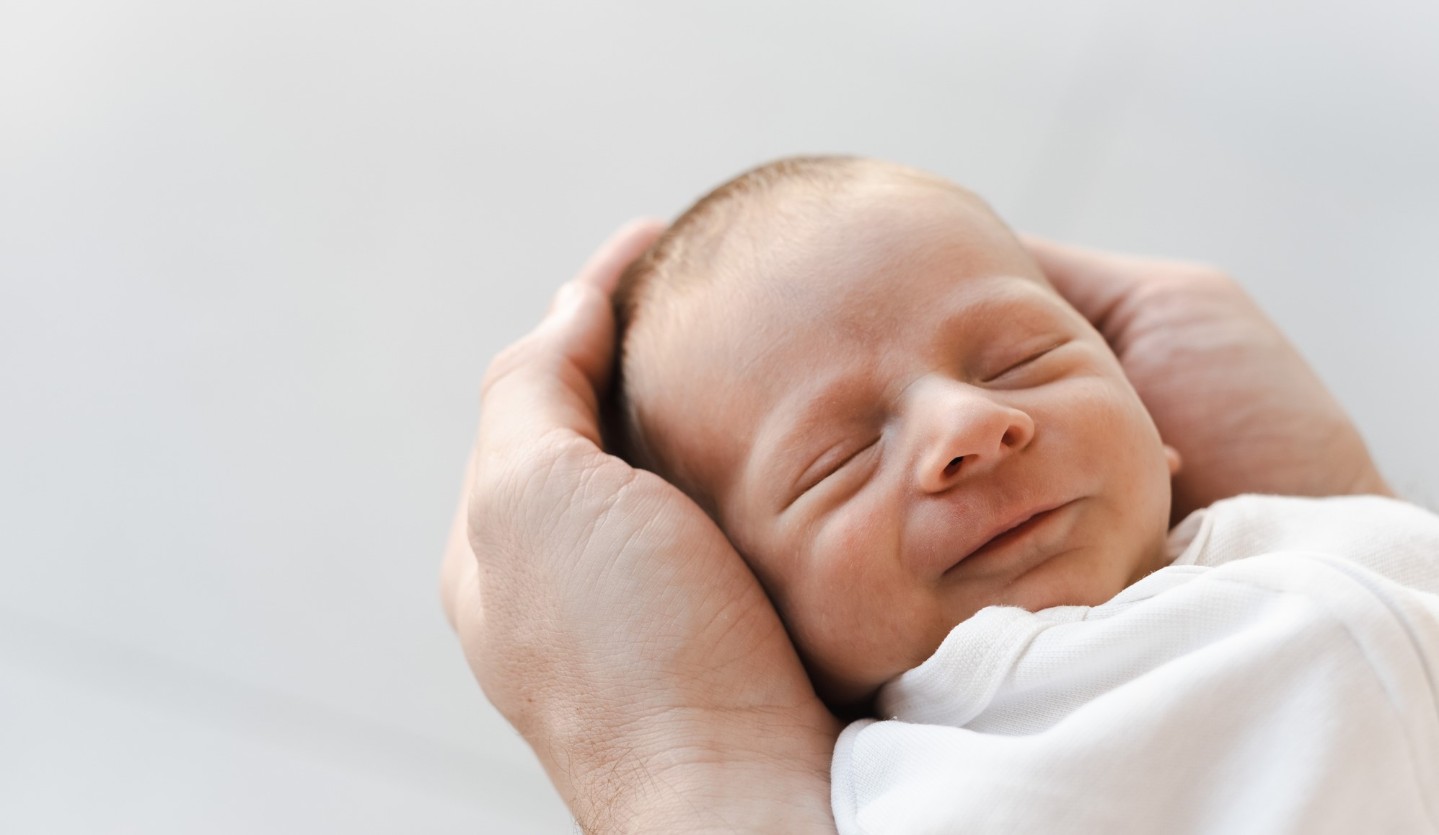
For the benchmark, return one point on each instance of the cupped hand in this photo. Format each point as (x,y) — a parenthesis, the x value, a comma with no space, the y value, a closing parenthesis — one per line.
(1225,387)
(608,618)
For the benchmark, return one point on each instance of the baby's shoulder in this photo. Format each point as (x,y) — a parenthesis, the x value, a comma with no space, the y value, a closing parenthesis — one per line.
(1392,537)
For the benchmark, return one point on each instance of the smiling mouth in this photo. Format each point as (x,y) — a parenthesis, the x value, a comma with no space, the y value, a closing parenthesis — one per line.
(1011,532)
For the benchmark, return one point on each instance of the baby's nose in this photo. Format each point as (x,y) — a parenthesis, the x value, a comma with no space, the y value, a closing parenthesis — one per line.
(966,431)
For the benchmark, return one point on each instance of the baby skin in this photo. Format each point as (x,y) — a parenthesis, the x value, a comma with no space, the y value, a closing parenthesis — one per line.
(860,373)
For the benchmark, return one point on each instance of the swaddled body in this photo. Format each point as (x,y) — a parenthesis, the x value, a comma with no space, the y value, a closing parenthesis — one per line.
(1279,676)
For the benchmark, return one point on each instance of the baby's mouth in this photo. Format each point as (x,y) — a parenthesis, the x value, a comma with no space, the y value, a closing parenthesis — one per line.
(1016,528)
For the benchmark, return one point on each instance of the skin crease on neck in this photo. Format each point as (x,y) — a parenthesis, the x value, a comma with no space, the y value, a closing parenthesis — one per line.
(898,422)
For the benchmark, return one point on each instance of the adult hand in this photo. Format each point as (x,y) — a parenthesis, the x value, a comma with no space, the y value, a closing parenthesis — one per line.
(1245,411)
(609,619)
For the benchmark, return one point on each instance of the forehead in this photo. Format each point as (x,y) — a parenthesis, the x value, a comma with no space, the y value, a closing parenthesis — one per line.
(801,302)
(882,252)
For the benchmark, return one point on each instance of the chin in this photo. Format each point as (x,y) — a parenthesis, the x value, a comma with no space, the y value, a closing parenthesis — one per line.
(1069,582)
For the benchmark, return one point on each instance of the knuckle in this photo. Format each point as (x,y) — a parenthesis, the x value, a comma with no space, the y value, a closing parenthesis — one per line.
(1186,282)
(1205,276)
(510,359)
(517,486)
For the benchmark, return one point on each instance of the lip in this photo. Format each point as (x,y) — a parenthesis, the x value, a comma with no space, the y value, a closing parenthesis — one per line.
(1015,528)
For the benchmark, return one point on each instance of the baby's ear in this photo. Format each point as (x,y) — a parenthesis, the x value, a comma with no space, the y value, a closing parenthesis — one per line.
(1171,457)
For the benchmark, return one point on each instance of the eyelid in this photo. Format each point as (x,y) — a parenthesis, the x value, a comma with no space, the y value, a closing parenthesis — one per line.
(1028,358)
(810,481)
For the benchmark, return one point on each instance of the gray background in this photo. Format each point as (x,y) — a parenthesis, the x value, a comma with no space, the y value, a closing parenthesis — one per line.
(255,255)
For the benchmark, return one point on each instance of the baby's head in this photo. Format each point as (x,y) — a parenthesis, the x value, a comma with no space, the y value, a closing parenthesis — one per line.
(861,374)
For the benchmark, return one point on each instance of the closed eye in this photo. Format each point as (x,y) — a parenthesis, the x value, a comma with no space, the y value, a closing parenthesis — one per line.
(830,468)
(1026,360)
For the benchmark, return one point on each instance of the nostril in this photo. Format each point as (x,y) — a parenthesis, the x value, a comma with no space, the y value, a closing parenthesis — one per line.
(1009,439)
(953,466)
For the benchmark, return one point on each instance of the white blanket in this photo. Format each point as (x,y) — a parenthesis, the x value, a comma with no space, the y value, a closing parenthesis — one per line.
(1281,676)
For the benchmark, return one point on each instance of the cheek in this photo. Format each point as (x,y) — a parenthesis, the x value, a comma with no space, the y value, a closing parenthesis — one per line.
(1108,419)
(850,558)
(1101,438)
(850,610)
(1118,444)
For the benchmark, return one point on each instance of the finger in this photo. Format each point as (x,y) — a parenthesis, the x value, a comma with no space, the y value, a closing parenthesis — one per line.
(552,377)
(604,268)
(577,333)
(458,559)
(458,564)
(1092,280)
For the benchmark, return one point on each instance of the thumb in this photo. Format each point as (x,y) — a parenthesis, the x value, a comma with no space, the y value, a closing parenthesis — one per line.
(1092,280)
(553,376)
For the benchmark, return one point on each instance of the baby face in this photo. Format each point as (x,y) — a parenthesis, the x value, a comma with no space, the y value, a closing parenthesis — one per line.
(898,422)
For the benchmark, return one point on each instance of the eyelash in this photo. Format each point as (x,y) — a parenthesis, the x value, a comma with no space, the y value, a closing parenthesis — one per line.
(830,471)
(1023,362)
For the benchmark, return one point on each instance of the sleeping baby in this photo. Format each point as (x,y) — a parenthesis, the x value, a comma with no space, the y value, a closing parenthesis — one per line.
(959,506)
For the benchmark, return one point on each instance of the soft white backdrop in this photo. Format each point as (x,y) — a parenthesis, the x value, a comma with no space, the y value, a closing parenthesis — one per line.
(255,255)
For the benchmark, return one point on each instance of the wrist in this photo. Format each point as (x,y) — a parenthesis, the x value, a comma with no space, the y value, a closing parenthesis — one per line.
(695,770)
